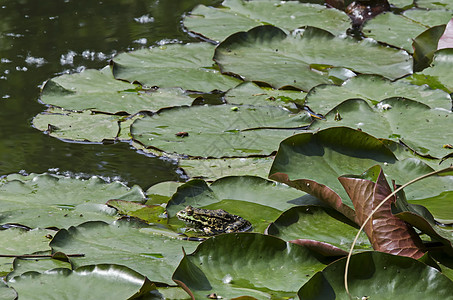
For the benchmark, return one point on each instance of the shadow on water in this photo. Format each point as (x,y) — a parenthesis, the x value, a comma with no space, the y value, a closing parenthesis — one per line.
(42,39)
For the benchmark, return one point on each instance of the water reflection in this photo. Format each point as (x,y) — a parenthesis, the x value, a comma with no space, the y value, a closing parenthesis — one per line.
(41,39)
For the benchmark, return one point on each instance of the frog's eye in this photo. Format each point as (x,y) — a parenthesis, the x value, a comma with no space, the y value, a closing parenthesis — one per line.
(189,210)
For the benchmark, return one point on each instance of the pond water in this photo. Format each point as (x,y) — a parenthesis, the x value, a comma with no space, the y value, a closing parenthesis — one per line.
(43,39)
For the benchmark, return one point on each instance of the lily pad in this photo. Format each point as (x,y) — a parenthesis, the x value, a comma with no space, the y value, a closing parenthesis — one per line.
(19,241)
(238,195)
(400,30)
(435,4)
(248,93)
(378,275)
(419,127)
(151,251)
(219,130)
(313,162)
(99,91)
(189,67)
(88,282)
(373,89)
(23,265)
(233,265)
(217,23)
(161,192)
(43,200)
(304,58)
(147,213)
(78,126)
(215,168)
(318,223)
(7,293)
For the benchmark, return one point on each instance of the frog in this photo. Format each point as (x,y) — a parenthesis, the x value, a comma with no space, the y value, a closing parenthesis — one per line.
(213,221)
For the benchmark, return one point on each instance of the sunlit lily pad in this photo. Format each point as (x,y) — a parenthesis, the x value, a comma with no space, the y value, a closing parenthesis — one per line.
(400,30)
(88,282)
(239,195)
(318,223)
(219,130)
(233,265)
(413,123)
(378,275)
(217,23)
(435,4)
(57,201)
(144,212)
(189,67)
(304,59)
(161,192)
(251,94)
(373,89)
(18,241)
(151,251)
(23,265)
(323,156)
(99,91)
(78,126)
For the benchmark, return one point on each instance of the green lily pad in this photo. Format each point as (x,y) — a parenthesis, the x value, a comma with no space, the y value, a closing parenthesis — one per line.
(304,58)
(248,93)
(435,4)
(43,200)
(312,159)
(161,192)
(419,127)
(18,241)
(425,45)
(153,252)
(233,265)
(238,195)
(400,30)
(215,168)
(189,67)
(438,75)
(373,89)
(218,131)
(439,206)
(378,275)
(318,223)
(88,282)
(23,265)
(99,91)
(6,292)
(217,23)
(148,213)
(78,126)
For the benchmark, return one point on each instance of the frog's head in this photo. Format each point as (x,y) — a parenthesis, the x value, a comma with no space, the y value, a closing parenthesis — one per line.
(194,216)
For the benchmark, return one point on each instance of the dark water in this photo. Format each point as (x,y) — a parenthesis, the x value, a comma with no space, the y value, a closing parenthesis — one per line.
(42,39)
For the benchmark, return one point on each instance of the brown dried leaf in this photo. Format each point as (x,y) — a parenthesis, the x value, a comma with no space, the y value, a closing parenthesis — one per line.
(386,232)
(318,190)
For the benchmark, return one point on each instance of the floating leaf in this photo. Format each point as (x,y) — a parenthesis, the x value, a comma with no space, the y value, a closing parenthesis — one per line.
(56,201)
(152,252)
(19,241)
(23,265)
(217,23)
(88,282)
(373,89)
(378,275)
(6,292)
(147,213)
(435,4)
(219,130)
(188,67)
(233,265)
(425,46)
(317,223)
(99,91)
(413,123)
(303,59)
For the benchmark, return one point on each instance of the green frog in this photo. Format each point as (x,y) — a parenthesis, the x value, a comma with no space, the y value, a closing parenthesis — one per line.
(213,221)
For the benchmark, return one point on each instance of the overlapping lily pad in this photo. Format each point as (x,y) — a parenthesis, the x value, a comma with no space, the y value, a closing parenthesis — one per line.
(99,91)
(400,30)
(189,67)
(239,195)
(56,201)
(373,89)
(23,265)
(378,275)
(303,59)
(218,131)
(419,127)
(435,4)
(89,282)
(151,251)
(314,161)
(217,23)
(233,265)
(19,241)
